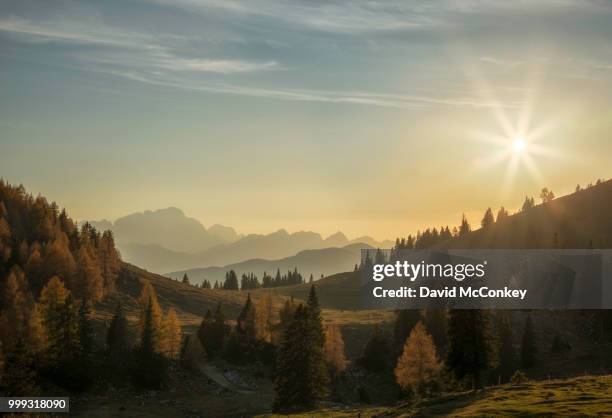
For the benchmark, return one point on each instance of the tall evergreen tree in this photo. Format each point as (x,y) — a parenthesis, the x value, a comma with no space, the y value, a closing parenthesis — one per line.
(150,370)
(468,352)
(502,215)
(118,343)
(20,378)
(465,227)
(435,321)
(378,354)
(488,220)
(301,375)
(231,281)
(529,348)
(314,313)
(506,355)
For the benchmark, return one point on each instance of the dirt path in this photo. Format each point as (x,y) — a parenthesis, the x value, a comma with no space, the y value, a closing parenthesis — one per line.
(216,376)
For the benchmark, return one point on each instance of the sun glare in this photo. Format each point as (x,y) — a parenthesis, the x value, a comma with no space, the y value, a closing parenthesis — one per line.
(518,144)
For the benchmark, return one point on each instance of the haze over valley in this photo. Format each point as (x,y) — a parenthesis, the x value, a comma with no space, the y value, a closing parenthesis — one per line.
(166,240)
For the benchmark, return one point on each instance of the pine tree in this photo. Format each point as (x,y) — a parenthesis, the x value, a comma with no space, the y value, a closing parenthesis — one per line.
(20,377)
(52,301)
(314,312)
(435,323)
(118,343)
(86,333)
(193,355)
(547,195)
(488,219)
(528,203)
(219,332)
(405,320)
(285,314)
(150,370)
(110,261)
(301,377)
(334,350)
(17,304)
(502,215)
(418,364)
(185,279)
(468,345)
(505,347)
(172,335)
(465,228)
(89,282)
(231,281)
(529,349)
(205,332)
(245,323)
(377,353)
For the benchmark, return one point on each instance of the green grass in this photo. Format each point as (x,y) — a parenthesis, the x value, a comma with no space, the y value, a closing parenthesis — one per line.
(584,396)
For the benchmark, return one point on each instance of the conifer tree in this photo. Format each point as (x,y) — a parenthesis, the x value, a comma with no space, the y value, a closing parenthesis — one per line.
(502,215)
(505,347)
(53,310)
(334,350)
(118,343)
(150,369)
(205,331)
(148,301)
(193,354)
(405,320)
(263,319)
(110,261)
(35,338)
(468,352)
(418,364)
(377,353)
(185,279)
(488,219)
(529,349)
(435,323)
(465,227)
(86,333)
(241,344)
(528,203)
(89,282)
(219,332)
(17,304)
(172,335)
(314,312)
(20,377)
(285,314)
(231,281)
(301,377)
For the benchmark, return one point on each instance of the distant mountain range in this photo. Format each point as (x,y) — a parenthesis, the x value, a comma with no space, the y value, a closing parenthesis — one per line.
(167,240)
(318,262)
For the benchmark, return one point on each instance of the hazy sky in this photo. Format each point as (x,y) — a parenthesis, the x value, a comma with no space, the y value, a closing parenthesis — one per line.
(376,117)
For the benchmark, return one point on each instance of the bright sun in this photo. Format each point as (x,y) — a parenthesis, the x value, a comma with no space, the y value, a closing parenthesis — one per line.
(518,144)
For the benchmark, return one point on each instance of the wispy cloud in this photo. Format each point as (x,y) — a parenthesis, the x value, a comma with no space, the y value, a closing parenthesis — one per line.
(122,45)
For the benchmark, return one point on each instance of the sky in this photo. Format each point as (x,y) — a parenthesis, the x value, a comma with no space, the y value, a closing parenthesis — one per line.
(377,117)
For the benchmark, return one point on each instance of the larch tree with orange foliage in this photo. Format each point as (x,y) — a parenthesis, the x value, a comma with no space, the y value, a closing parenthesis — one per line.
(334,350)
(263,318)
(418,364)
(148,300)
(172,335)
